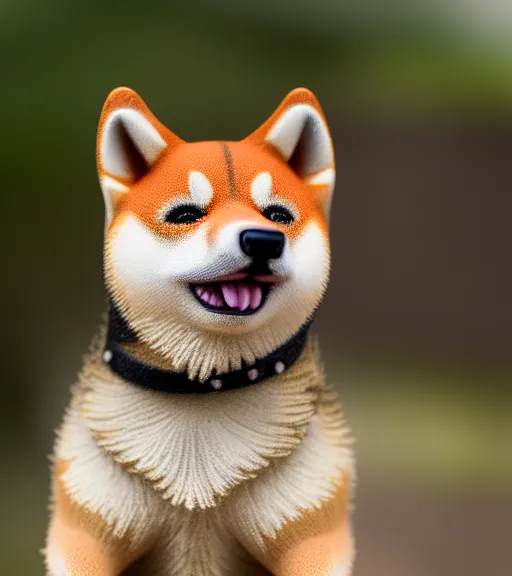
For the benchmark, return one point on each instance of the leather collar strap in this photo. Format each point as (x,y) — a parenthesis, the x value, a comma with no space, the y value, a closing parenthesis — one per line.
(153,378)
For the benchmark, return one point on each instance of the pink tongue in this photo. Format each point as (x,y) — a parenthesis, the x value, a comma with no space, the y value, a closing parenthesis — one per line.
(230,294)
(256,296)
(242,296)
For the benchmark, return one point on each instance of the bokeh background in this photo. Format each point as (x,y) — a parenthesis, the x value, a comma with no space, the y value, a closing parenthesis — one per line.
(416,328)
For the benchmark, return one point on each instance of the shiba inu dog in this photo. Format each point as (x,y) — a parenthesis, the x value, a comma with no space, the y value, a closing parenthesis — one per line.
(202,438)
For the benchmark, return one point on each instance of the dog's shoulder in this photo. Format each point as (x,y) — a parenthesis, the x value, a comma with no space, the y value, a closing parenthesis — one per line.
(304,481)
(99,493)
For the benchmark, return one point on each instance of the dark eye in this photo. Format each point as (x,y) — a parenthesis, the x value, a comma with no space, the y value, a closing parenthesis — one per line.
(184,214)
(278,214)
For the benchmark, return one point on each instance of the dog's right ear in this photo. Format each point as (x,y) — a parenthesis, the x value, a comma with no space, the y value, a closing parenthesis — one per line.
(297,131)
(130,140)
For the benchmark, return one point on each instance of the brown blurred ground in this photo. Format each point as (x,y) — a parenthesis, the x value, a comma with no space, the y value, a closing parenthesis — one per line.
(416,326)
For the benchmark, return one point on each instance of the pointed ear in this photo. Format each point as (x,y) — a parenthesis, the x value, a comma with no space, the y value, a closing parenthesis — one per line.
(298,132)
(130,141)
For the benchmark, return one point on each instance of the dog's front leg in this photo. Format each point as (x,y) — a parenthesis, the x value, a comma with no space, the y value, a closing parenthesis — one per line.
(326,555)
(318,543)
(79,543)
(72,551)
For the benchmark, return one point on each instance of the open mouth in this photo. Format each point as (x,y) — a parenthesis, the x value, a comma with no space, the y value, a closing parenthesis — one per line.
(237,294)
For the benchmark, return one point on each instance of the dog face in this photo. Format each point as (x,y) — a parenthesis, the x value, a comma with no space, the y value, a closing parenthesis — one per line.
(216,238)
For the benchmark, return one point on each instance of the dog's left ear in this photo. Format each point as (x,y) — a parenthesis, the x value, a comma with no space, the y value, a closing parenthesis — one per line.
(130,141)
(298,132)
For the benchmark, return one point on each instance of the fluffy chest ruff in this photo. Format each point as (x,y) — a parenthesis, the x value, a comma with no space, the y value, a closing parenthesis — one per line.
(194,449)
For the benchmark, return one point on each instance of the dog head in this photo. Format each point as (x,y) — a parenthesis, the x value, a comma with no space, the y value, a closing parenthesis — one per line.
(215,252)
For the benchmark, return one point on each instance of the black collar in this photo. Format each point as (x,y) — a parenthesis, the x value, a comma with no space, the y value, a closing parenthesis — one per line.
(153,378)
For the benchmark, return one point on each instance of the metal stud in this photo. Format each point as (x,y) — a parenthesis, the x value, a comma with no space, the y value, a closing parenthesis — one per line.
(279,367)
(216,383)
(107,356)
(252,374)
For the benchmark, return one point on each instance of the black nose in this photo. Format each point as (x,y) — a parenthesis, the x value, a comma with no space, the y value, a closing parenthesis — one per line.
(262,244)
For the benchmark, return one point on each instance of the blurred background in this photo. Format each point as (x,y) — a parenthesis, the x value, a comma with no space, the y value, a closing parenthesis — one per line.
(416,328)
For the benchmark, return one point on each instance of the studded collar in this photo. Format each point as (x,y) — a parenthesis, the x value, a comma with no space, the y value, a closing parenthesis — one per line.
(162,380)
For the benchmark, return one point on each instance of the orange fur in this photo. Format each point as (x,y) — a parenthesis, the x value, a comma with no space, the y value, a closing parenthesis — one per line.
(314,542)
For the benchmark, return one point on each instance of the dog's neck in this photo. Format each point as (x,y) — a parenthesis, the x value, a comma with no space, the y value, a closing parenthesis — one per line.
(137,361)
(246,429)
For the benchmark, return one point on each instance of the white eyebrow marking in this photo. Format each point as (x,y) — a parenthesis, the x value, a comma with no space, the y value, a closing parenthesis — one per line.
(200,188)
(261,189)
